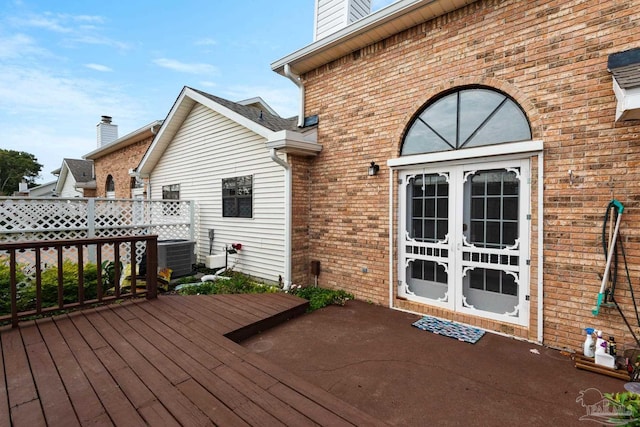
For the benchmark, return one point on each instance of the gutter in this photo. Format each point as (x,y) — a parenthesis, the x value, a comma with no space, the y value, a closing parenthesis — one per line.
(287,216)
(296,80)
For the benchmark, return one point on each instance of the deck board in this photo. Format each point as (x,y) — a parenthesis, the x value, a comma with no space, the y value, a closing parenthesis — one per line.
(5,416)
(55,402)
(165,362)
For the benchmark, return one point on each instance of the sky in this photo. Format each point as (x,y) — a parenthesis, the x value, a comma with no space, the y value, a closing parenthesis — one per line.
(66,63)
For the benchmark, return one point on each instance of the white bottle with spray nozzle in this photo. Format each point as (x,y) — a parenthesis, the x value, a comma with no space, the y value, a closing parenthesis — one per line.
(589,344)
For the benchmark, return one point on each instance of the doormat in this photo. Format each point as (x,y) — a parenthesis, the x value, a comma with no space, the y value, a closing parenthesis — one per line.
(449,329)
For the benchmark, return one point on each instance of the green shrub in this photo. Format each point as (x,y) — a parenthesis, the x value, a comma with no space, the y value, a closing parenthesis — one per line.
(5,287)
(69,283)
(321,297)
(628,406)
(236,283)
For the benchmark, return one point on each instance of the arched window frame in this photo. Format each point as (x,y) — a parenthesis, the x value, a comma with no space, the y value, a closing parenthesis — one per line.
(110,187)
(438,126)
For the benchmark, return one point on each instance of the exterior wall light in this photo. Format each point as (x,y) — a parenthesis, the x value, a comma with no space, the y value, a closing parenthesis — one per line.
(373,169)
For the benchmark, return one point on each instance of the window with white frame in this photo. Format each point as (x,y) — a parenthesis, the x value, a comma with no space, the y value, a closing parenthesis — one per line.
(171,192)
(237,197)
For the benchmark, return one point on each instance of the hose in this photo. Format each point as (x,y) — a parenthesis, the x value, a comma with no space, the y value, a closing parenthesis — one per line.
(614,271)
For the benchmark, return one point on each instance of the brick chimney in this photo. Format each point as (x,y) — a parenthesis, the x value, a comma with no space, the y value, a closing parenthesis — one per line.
(333,15)
(107,132)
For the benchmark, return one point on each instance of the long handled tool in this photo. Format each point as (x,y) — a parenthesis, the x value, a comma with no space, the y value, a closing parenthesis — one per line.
(605,277)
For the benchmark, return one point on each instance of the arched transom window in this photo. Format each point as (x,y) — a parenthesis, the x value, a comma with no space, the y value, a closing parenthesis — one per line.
(468,117)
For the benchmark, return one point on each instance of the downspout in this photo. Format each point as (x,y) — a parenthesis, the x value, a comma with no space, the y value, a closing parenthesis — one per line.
(296,80)
(287,217)
(540,247)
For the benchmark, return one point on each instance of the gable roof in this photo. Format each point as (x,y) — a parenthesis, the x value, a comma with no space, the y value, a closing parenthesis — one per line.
(268,125)
(263,118)
(390,20)
(82,170)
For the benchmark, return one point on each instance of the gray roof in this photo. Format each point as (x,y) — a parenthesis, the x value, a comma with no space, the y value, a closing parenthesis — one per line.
(263,118)
(82,170)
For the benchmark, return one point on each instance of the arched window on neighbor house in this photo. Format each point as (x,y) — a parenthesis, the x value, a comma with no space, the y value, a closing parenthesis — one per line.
(110,187)
(467,117)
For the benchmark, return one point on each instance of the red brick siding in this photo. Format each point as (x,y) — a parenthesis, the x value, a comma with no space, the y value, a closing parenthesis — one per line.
(301,203)
(551,57)
(117,164)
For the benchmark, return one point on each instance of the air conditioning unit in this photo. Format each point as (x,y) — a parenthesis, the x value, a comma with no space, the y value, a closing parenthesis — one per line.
(177,255)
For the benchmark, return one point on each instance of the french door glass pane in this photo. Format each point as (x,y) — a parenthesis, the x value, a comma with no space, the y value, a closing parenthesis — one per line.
(493,210)
(429,209)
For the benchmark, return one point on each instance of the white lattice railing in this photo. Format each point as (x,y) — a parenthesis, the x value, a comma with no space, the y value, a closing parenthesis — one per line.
(29,219)
(40,219)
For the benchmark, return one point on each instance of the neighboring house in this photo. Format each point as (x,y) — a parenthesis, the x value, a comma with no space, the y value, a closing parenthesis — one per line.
(43,190)
(499,132)
(75,179)
(231,158)
(115,158)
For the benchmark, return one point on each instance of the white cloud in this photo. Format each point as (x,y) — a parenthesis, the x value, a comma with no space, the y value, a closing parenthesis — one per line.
(183,67)
(77,29)
(45,22)
(53,116)
(93,39)
(19,45)
(206,42)
(59,23)
(98,67)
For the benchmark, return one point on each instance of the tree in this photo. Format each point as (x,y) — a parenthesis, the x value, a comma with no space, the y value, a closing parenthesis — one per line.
(14,167)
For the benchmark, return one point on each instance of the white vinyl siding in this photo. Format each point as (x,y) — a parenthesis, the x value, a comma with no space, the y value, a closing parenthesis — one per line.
(69,188)
(334,15)
(207,148)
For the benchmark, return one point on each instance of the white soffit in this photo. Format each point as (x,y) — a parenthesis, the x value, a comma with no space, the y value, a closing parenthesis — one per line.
(625,68)
(377,26)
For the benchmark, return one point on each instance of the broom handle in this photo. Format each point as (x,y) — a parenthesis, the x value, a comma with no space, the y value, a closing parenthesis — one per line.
(612,245)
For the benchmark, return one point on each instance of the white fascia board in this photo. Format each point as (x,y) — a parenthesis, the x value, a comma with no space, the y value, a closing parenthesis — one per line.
(468,153)
(62,177)
(162,139)
(179,112)
(628,106)
(130,138)
(377,26)
(294,142)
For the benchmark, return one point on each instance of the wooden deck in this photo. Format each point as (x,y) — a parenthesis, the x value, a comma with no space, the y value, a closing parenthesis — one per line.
(164,362)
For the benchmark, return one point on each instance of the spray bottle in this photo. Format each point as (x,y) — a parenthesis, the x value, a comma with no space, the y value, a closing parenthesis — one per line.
(589,344)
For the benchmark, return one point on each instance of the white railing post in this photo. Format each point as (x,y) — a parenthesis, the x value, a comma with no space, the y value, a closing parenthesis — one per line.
(192,220)
(91,218)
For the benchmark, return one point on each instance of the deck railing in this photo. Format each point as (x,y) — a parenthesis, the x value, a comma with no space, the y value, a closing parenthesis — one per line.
(44,277)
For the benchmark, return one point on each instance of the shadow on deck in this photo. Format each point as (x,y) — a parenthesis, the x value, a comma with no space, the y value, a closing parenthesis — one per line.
(168,361)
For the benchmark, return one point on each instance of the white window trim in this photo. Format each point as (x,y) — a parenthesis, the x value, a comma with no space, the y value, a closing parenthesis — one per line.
(515,148)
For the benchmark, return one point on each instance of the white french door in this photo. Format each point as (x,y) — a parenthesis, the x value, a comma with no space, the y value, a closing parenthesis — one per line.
(464,238)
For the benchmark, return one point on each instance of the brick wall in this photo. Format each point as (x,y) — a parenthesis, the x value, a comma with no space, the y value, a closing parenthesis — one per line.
(551,57)
(301,202)
(117,164)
